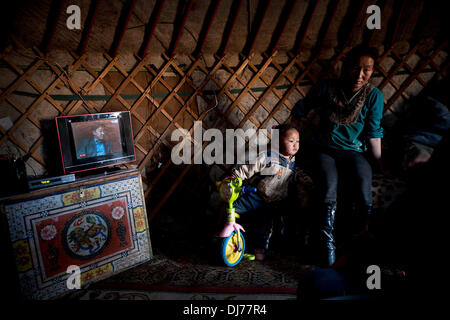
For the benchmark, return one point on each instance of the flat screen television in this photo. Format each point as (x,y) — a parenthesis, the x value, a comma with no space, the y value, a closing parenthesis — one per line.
(92,141)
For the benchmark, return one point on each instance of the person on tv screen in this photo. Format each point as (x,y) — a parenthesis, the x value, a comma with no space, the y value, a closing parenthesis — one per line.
(96,144)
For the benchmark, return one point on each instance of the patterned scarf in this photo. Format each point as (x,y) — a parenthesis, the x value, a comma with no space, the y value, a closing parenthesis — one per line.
(341,110)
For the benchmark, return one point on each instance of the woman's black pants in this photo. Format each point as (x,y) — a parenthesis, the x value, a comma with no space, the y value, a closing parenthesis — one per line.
(348,167)
(351,166)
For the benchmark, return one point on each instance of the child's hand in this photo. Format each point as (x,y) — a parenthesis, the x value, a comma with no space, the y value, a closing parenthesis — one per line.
(229,228)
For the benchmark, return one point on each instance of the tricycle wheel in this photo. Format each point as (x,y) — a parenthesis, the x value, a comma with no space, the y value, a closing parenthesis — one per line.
(232,251)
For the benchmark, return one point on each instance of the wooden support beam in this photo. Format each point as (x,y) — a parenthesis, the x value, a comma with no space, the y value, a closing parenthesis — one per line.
(353,32)
(92,15)
(52,21)
(178,28)
(256,27)
(122,26)
(231,22)
(210,15)
(283,20)
(303,31)
(151,26)
(393,36)
(326,26)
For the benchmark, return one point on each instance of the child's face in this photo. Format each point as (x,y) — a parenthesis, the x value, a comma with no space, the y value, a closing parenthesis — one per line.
(290,142)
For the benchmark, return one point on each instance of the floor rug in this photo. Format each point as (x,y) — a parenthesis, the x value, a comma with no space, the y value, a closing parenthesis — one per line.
(143,295)
(190,279)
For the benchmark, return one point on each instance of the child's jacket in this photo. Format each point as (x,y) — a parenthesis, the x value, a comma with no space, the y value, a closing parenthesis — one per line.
(272,173)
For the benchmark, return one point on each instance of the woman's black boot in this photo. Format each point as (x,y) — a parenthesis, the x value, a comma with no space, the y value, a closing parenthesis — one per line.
(326,233)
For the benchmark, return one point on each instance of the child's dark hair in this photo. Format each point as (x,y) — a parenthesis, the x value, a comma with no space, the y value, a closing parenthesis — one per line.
(283,128)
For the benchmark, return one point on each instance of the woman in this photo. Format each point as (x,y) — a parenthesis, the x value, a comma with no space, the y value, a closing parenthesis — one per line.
(349,110)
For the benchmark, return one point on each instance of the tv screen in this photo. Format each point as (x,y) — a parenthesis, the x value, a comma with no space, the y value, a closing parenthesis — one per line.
(92,141)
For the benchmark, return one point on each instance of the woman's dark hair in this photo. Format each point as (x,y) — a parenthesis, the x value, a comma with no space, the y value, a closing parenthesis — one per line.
(357,52)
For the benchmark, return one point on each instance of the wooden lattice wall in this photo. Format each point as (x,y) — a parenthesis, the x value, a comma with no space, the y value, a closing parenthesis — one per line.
(251,91)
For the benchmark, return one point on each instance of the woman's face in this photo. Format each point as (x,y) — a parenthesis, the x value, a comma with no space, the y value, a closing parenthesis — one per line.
(360,72)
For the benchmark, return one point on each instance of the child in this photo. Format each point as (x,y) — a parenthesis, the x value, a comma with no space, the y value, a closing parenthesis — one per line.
(271,175)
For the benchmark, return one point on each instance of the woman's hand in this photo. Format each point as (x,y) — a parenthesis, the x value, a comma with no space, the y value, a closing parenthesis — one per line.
(375,148)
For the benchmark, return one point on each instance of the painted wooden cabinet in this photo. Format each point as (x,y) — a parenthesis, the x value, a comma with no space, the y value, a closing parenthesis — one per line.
(97,224)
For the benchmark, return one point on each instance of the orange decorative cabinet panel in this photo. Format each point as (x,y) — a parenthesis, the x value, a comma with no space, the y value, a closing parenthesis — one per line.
(97,224)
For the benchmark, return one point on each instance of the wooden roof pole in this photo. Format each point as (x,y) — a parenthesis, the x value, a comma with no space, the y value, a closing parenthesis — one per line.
(122,27)
(397,24)
(232,18)
(323,32)
(92,15)
(255,31)
(179,32)
(305,27)
(52,22)
(284,18)
(150,30)
(210,15)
